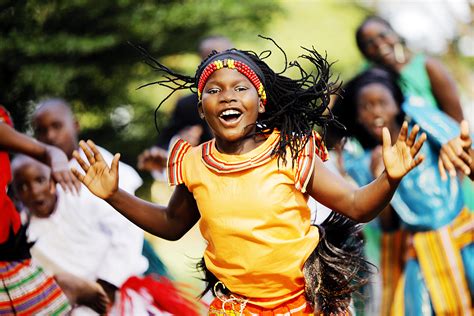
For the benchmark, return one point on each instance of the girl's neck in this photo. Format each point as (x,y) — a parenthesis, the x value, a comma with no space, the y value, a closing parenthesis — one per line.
(240,147)
(394,130)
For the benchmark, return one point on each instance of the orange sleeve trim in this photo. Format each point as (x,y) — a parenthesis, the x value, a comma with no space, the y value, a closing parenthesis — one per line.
(315,145)
(175,162)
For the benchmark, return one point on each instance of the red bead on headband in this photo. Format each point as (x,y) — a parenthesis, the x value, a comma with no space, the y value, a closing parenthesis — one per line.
(232,64)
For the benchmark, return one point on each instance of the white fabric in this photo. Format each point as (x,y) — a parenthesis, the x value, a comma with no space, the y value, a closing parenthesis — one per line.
(85,236)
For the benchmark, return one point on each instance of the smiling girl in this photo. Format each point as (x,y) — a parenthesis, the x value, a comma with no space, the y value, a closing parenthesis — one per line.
(249,188)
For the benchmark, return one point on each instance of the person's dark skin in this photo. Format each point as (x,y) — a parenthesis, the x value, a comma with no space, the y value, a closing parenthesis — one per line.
(35,189)
(225,89)
(182,122)
(376,103)
(378,42)
(457,154)
(83,292)
(54,124)
(109,289)
(11,140)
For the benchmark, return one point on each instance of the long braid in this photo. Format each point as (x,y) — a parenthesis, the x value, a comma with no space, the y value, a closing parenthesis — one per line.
(296,106)
(336,269)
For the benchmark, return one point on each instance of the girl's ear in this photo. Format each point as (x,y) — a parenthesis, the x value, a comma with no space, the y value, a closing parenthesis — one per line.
(200,111)
(261,107)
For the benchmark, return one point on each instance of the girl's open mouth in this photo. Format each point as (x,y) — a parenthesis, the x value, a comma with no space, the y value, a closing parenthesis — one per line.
(230,115)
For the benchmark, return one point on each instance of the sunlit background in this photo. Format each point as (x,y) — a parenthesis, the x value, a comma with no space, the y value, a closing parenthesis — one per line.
(79,50)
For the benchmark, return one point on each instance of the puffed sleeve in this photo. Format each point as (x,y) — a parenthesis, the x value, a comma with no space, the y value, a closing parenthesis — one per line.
(175,162)
(305,162)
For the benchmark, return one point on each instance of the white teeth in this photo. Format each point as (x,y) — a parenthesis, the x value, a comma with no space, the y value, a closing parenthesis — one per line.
(379,122)
(230,112)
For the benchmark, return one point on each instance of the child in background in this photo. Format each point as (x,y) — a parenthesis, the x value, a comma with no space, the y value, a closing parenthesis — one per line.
(52,224)
(250,185)
(427,247)
(25,289)
(54,123)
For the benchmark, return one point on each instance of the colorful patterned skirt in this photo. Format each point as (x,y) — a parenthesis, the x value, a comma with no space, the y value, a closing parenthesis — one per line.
(429,273)
(26,290)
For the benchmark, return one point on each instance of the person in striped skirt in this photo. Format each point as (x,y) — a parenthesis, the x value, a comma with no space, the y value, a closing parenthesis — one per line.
(24,287)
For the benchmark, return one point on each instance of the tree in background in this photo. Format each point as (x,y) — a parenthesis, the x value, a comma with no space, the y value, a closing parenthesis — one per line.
(77,49)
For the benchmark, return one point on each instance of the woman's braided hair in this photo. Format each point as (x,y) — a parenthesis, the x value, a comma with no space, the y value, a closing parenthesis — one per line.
(294,106)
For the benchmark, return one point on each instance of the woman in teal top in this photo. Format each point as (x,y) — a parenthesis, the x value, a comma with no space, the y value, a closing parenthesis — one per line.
(420,75)
(437,252)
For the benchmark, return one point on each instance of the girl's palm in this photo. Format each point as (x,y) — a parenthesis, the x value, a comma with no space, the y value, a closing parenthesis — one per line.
(400,158)
(98,178)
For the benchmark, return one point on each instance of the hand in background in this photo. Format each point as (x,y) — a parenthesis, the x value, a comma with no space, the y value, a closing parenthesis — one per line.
(399,159)
(152,159)
(83,292)
(456,154)
(60,172)
(98,178)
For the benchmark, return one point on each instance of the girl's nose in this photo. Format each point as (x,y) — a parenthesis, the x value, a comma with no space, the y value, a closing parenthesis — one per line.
(228,95)
(35,189)
(376,109)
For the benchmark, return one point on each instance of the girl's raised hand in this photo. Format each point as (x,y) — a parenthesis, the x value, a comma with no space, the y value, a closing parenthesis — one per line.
(399,159)
(98,178)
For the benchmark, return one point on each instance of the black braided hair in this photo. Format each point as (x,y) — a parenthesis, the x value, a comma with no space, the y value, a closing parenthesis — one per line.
(336,269)
(294,106)
(345,106)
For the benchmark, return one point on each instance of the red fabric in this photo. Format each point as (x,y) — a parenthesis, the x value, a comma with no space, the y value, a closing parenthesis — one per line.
(9,217)
(166,296)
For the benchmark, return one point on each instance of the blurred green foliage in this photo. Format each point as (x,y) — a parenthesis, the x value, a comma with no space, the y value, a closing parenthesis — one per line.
(78,50)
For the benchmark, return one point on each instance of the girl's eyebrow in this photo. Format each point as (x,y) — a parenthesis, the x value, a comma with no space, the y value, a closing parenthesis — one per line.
(234,82)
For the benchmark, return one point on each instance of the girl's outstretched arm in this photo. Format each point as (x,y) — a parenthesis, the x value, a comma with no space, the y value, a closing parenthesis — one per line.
(365,203)
(170,222)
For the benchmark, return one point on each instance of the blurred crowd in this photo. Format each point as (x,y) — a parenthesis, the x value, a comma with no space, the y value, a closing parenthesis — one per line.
(65,251)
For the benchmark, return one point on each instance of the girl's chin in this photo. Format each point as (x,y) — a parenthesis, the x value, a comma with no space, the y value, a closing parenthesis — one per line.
(377,134)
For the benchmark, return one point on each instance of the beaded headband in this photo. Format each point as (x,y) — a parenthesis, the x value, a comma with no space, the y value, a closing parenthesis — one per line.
(232,59)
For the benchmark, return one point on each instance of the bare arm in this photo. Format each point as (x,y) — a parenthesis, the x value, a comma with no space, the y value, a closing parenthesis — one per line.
(170,222)
(360,204)
(365,203)
(444,89)
(12,140)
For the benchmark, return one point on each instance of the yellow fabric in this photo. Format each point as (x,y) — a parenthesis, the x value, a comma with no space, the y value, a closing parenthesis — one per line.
(438,253)
(392,267)
(443,270)
(256,223)
(398,306)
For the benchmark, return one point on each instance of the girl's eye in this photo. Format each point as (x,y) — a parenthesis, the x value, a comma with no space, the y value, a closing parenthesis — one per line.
(212,90)
(383,34)
(241,88)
